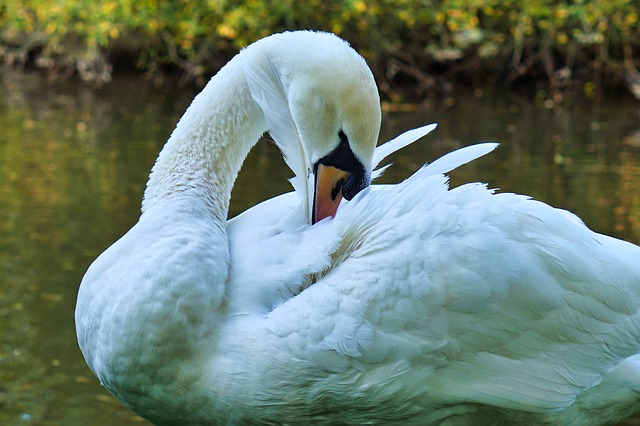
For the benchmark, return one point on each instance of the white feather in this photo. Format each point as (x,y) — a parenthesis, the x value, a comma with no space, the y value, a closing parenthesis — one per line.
(266,87)
(416,304)
(399,142)
(459,157)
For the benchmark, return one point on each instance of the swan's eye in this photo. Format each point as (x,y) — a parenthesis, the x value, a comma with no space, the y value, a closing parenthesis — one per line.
(337,190)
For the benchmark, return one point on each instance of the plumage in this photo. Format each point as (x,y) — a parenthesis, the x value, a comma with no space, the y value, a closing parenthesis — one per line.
(416,304)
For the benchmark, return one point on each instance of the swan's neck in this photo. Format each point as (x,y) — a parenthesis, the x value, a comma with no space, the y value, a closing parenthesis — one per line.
(149,307)
(202,157)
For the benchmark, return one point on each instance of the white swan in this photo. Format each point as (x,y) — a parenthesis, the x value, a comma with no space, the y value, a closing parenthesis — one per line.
(415,304)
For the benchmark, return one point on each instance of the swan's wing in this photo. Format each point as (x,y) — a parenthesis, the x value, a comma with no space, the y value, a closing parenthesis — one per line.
(459,157)
(397,143)
(444,164)
(465,296)
(274,252)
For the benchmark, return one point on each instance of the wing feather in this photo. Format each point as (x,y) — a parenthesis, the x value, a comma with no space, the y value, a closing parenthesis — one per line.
(494,298)
(400,141)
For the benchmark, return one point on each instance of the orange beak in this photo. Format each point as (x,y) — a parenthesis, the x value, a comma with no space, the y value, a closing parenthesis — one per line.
(328,191)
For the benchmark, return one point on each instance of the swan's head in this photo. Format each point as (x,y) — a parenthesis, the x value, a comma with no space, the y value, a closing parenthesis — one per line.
(322,107)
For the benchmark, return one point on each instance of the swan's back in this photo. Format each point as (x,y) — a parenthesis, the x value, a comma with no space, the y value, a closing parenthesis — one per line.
(464,298)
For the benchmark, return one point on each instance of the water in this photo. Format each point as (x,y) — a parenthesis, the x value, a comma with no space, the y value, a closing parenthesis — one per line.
(75,161)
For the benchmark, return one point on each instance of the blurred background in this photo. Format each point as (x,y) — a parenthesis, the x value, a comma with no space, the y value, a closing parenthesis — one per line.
(417,48)
(90,90)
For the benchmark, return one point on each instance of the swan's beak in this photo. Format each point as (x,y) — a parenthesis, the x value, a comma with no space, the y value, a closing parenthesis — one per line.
(328,191)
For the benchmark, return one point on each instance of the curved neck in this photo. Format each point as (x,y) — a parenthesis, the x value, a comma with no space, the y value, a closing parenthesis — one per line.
(202,157)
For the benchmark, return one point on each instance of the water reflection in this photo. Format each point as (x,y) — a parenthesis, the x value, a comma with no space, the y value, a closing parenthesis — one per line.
(75,161)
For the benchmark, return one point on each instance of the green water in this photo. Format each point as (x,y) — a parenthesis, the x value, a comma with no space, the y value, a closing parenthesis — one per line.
(74,162)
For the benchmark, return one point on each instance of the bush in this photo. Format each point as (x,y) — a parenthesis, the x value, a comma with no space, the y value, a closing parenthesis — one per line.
(413,46)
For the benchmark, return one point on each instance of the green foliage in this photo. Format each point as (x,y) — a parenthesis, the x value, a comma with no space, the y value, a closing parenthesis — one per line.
(409,43)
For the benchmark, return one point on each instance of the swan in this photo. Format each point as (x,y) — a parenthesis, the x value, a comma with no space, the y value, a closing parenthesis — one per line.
(344,302)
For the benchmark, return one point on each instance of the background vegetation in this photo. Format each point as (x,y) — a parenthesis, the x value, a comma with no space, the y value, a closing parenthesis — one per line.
(415,47)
